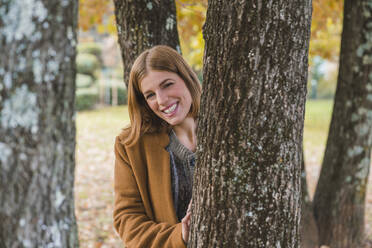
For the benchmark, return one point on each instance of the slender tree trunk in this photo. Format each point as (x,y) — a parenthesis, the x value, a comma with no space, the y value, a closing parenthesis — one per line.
(247,184)
(142,24)
(340,195)
(37,127)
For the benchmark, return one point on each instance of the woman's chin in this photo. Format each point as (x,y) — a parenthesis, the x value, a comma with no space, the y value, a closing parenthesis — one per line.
(173,122)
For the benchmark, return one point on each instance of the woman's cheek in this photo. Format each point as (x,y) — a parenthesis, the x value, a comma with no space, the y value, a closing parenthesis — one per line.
(152,106)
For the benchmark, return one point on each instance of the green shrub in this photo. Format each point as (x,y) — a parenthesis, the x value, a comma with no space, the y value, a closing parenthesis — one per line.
(90,48)
(83,81)
(327,85)
(87,64)
(86,98)
(122,95)
(117,72)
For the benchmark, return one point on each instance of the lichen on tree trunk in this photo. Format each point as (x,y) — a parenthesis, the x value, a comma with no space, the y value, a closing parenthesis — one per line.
(37,127)
(247,183)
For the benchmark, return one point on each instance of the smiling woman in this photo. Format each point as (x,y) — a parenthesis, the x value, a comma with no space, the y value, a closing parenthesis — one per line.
(158,59)
(167,96)
(155,157)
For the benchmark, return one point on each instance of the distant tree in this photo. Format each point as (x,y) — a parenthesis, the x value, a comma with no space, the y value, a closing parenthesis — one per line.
(37,123)
(142,24)
(247,184)
(339,199)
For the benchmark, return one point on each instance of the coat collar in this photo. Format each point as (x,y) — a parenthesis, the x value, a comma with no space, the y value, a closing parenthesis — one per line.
(160,139)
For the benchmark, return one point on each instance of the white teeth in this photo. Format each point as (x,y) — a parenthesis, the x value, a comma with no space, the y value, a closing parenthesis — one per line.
(171,109)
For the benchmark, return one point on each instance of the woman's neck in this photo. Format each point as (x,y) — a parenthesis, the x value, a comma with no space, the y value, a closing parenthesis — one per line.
(186,133)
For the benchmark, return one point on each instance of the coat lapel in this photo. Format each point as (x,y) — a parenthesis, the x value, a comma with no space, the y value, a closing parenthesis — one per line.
(159,177)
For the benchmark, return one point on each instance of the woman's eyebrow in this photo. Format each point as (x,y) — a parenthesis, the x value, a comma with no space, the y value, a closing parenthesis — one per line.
(161,83)
(164,81)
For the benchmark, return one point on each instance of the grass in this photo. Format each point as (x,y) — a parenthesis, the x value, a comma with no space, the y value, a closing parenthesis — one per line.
(318,114)
(96,131)
(317,120)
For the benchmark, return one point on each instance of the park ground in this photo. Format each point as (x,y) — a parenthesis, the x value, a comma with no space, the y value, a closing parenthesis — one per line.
(96,132)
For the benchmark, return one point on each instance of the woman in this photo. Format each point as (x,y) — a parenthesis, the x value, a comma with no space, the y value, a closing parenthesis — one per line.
(155,155)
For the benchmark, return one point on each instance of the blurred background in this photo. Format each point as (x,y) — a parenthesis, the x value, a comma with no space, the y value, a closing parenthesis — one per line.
(101,98)
(99,65)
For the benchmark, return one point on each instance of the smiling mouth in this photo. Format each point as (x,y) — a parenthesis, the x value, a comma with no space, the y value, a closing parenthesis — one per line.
(171,109)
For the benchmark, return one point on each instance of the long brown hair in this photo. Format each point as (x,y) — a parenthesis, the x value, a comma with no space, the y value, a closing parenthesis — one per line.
(159,58)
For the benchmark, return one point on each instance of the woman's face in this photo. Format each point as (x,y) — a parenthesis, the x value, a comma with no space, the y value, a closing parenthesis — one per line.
(167,95)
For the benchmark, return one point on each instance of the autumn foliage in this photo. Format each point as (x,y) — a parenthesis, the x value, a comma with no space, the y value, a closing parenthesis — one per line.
(97,15)
(326,26)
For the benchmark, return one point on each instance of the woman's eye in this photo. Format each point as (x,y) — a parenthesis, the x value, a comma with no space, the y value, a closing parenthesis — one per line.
(168,84)
(150,95)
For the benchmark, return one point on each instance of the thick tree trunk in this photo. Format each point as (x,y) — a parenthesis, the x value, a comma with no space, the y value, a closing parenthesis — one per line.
(340,195)
(142,24)
(247,183)
(37,127)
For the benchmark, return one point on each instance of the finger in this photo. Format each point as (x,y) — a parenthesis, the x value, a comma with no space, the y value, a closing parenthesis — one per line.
(187,216)
(189,207)
(186,220)
(184,232)
(187,213)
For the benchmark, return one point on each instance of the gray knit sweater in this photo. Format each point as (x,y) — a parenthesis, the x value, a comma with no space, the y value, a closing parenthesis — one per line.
(182,162)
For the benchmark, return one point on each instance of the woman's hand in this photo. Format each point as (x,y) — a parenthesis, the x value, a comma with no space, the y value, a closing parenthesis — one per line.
(186,224)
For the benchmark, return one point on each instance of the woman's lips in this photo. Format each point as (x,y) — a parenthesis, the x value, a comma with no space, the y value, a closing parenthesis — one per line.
(171,109)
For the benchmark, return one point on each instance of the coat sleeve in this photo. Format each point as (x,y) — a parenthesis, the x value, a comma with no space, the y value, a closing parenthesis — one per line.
(135,228)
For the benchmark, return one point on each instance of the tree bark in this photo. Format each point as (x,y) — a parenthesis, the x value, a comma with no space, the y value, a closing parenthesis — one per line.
(37,123)
(247,185)
(340,195)
(142,24)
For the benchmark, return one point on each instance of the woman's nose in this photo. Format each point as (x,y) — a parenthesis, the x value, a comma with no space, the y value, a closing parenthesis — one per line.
(161,98)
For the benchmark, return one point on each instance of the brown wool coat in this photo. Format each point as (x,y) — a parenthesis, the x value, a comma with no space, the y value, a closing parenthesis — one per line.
(144,215)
